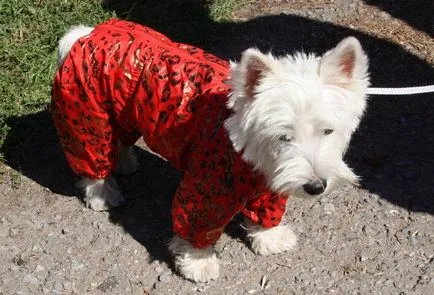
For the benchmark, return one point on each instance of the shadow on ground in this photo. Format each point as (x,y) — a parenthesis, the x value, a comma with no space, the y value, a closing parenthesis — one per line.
(146,215)
(31,147)
(392,151)
(417,13)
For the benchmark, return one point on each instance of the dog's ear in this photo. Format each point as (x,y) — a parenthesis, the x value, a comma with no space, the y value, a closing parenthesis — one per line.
(256,65)
(346,65)
(247,74)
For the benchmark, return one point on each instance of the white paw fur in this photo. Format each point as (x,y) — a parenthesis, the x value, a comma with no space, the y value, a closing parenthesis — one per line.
(265,241)
(198,265)
(127,162)
(101,194)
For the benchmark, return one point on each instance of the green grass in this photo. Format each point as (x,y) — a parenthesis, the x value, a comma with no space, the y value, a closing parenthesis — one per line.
(221,10)
(30,30)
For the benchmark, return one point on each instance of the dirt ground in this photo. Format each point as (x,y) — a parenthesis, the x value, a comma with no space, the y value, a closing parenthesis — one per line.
(377,239)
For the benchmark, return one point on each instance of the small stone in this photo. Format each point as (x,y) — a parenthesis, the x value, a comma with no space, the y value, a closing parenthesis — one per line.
(251,291)
(4,232)
(394,213)
(329,208)
(67,285)
(14,232)
(165,277)
(264,281)
(76,265)
(96,225)
(19,261)
(388,284)
(39,268)
(108,284)
(201,289)
(384,15)
(58,285)
(3,220)
(30,279)
(159,269)
(36,248)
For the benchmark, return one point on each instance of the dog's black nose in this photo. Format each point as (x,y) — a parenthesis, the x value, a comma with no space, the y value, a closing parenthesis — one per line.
(315,187)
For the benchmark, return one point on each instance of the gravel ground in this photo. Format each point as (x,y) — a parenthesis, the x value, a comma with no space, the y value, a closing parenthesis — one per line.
(377,239)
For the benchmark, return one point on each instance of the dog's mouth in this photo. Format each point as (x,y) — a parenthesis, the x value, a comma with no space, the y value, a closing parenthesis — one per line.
(302,194)
(311,189)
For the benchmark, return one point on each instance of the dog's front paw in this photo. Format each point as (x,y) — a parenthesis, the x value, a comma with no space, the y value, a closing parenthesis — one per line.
(198,265)
(273,240)
(101,194)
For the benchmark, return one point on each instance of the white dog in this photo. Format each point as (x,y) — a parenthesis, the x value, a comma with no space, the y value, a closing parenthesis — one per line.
(288,121)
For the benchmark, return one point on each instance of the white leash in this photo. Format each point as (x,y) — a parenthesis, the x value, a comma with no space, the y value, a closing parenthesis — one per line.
(401,91)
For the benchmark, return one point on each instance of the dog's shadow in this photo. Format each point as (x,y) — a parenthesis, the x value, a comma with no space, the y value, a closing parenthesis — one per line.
(146,215)
(32,148)
(392,150)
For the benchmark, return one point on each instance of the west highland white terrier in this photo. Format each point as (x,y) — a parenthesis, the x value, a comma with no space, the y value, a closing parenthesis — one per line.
(246,135)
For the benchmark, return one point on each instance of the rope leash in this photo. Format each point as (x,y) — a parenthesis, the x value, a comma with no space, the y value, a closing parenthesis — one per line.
(400,91)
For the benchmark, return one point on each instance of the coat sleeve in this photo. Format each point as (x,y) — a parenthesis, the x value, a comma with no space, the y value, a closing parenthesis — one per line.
(83,127)
(266,209)
(202,208)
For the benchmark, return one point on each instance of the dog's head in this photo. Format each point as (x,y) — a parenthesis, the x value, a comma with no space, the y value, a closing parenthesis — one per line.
(293,116)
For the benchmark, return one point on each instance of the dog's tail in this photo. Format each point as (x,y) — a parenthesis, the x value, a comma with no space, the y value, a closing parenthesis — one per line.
(65,44)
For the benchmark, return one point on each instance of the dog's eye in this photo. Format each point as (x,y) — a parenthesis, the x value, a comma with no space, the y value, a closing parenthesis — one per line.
(285,138)
(328,131)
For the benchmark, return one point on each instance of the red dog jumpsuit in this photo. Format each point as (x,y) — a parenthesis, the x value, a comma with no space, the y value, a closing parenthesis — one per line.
(124,80)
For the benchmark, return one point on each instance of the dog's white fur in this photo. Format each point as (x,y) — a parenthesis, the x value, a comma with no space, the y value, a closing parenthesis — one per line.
(66,42)
(275,240)
(103,194)
(299,97)
(199,265)
(293,118)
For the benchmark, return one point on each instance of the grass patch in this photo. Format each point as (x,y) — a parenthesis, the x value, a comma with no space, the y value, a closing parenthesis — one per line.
(30,30)
(221,10)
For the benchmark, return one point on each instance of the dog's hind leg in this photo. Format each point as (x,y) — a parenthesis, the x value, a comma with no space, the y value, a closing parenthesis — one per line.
(87,135)
(101,194)
(127,161)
